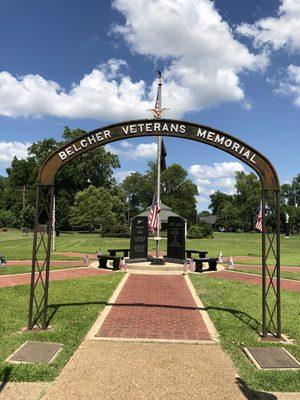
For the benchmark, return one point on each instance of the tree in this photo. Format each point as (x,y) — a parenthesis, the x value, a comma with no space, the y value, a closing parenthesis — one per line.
(248,197)
(95,167)
(27,217)
(177,191)
(93,209)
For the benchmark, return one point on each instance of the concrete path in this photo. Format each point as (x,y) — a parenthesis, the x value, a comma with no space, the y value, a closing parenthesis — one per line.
(146,371)
(63,274)
(286,284)
(155,307)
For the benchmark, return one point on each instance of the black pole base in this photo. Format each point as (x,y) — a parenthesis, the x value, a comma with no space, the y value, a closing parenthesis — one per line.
(157,261)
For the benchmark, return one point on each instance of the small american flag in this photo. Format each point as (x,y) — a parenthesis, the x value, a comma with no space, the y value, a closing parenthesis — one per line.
(152,219)
(258,225)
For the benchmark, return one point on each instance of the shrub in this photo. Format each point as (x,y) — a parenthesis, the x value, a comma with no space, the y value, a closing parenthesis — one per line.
(7,218)
(117,230)
(200,231)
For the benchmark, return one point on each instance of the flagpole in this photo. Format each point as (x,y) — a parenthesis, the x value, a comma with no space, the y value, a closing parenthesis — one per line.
(157,112)
(53,226)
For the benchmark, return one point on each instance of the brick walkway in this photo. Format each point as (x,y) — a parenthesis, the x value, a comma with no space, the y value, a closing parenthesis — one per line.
(24,279)
(293,286)
(155,307)
(259,268)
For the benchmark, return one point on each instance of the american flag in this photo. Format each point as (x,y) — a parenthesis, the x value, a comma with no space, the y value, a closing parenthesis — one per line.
(258,225)
(152,219)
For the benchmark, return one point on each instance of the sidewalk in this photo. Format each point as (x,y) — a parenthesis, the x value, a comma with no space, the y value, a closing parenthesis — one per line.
(286,284)
(57,275)
(149,308)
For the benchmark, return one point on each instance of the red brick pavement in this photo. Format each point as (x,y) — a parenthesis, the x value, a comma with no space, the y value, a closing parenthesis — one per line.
(293,286)
(155,307)
(258,268)
(24,279)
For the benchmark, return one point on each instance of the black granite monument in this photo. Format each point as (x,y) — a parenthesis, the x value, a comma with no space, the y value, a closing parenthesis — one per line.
(176,238)
(139,238)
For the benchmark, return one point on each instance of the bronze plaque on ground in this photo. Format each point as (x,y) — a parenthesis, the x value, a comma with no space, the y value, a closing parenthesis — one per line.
(36,352)
(271,357)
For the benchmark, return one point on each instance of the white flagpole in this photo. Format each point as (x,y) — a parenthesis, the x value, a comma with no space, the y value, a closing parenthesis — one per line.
(53,226)
(157,113)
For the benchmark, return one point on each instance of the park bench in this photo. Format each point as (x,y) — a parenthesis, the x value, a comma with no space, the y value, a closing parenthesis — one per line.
(104,258)
(113,252)
(212,264)
(201,253)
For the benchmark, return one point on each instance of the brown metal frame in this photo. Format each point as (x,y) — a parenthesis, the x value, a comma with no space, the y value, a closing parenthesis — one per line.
(38,302)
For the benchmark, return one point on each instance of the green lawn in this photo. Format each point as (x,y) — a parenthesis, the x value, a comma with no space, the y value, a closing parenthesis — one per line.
(75,305)
(235,310)
(17,246)
(284,274)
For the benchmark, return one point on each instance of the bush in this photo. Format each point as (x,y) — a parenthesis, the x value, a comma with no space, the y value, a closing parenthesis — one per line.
(7,218)
(118,231)
(200,231)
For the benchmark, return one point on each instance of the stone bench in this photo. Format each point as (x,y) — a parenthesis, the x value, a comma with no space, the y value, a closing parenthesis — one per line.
(212,264)
(104,258)
(201,253)
(113,252)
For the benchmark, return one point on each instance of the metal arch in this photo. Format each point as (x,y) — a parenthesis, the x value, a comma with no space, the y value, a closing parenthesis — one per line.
(38,304)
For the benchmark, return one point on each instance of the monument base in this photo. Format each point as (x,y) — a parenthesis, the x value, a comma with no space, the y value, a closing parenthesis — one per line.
(157,261)
(174,260)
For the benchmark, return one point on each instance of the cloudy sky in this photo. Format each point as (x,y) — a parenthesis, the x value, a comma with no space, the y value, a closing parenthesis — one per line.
(233,65)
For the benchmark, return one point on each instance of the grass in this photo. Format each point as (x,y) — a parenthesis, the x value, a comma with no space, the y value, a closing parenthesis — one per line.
(19,269)
(284,274)
(75,305)
(17,246)
(233,307)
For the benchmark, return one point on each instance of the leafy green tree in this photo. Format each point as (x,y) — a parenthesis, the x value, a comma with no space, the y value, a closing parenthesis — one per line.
(248,197)
(7,218)
(93,209)
(95,167)
(27,217)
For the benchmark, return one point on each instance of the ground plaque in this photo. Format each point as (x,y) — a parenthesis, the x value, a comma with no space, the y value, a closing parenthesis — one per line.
(36,352)
(272,358)
(176,238)
(139,238)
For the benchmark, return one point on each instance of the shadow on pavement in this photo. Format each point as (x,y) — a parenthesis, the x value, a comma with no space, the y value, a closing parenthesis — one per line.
(253,394)
(5,378)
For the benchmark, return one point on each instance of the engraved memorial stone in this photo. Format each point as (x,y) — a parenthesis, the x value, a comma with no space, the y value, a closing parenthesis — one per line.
(176,238)
(139,237)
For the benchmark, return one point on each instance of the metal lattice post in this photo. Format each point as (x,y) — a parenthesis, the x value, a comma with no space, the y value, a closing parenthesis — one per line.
(271,306)
(38,302)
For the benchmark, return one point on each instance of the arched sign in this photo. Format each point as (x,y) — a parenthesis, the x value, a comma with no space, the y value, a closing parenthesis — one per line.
(38,304)
(163,127)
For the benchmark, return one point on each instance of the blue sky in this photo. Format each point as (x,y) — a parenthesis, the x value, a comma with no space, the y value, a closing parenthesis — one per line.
(232,65)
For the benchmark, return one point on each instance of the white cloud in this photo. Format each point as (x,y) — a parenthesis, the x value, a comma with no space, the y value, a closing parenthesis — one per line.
(132,152)
(203,63)
(105,93)
(280,32)
(290,86)
(205,57)
(219,176)
(8,150)
(121,175)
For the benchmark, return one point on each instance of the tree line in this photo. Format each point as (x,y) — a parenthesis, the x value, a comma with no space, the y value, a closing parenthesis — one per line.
(239,211)
(87,195)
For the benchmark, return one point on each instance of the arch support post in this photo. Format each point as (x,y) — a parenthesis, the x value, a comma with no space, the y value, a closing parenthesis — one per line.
(271,299)
(41,255)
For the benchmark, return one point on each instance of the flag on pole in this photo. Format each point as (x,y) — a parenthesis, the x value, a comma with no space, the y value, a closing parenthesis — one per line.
(53,225)
(163,156)
(152,219)
(258,225)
